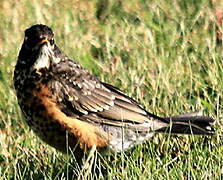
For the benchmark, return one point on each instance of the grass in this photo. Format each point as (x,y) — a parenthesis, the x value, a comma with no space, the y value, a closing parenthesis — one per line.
(162,53)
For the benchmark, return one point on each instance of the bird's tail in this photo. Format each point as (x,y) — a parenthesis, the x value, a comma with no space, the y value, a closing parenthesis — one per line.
(190,123)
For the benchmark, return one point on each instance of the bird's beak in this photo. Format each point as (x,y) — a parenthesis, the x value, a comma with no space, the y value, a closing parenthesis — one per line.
(43,41)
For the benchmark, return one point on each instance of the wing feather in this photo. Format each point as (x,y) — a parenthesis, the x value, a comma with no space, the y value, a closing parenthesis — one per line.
(94,99)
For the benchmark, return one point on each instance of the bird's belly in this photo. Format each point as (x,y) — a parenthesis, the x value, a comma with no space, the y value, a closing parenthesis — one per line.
(51,132)
(125,138)
(122,144)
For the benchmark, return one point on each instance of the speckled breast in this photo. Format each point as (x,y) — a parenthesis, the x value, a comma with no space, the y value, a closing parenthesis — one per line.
(36,115)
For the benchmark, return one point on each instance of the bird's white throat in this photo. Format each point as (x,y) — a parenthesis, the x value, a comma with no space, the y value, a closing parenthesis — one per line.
(46,58)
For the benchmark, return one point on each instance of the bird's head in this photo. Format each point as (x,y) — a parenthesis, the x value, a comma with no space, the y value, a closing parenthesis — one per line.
(38,50)
(38,35)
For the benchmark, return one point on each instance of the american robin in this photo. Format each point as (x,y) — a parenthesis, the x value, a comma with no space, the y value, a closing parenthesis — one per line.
(67,107)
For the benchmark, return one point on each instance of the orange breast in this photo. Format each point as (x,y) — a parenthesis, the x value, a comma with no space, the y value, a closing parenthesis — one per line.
(53,126)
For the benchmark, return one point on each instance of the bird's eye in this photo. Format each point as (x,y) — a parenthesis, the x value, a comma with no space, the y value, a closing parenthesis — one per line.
(25,39)
(51,41)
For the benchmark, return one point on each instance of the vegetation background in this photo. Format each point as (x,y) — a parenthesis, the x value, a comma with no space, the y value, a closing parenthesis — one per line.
(162,53)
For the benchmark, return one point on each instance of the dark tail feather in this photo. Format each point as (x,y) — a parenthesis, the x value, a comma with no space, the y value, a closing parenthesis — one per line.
(189,124)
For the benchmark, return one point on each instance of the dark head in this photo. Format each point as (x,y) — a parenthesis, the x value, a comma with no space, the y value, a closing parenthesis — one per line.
(37,54)
(37,35)
(38,49)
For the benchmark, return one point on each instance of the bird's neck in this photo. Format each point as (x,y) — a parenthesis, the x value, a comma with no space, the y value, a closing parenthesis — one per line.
(33,65)
(39,58)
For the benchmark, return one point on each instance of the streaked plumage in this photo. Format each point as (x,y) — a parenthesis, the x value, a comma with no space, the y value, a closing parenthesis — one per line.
(61,99)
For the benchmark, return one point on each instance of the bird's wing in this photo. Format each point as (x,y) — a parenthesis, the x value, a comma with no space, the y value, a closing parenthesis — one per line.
(83,95)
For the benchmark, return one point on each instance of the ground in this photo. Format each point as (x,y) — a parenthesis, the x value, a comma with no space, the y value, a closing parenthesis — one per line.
(162,53)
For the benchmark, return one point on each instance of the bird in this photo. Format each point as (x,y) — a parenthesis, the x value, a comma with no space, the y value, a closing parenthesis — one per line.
(69,108)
